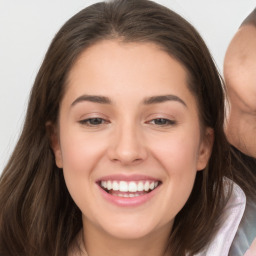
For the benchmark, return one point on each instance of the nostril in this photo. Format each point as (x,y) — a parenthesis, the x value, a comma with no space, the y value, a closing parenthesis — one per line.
(127,157)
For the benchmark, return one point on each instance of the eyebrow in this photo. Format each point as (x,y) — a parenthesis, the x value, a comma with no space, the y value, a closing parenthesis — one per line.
(147,101)
(162,99)
(92,98)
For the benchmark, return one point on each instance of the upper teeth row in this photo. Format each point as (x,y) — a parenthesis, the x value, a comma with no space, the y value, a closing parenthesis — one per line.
(131,186)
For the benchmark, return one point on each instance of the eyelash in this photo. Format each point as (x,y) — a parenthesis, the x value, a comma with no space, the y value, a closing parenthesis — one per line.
(91,121)
(163,122)
(97,121)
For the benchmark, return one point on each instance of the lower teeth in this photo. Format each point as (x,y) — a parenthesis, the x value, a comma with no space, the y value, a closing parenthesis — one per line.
(126,195)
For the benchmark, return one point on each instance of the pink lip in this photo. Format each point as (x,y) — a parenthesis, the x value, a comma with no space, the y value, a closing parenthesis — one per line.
(128,201)
(118,177)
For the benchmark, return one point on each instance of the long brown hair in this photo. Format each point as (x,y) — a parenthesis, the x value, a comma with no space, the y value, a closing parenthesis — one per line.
(38,216)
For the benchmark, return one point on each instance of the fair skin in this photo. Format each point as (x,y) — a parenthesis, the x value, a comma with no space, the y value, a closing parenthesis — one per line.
(240,77)
(143,127)
(252,250)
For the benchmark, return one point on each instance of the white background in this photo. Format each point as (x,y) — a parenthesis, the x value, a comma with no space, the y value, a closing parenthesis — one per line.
(28,26)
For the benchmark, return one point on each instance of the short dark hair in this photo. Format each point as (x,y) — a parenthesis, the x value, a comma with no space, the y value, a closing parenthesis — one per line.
(250,19)
(38,216)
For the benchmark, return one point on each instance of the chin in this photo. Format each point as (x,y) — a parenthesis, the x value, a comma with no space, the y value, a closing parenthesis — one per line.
(133,229)
(131,233)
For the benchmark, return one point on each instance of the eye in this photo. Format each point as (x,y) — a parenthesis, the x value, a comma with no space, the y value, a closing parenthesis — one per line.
(162,122)
(95,121)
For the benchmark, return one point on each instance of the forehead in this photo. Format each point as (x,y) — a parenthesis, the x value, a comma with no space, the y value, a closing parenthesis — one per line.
(136,52)
(120,64)
(243,46)
(127,75)
(240,65)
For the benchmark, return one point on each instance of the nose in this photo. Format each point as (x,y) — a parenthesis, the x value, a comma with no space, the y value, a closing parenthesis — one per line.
(127,146)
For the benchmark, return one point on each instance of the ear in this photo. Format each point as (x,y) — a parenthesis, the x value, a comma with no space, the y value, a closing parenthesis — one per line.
(53,134)
(205,148)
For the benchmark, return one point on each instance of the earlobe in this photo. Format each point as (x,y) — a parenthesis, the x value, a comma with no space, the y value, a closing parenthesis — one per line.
(52,131)
(205,149)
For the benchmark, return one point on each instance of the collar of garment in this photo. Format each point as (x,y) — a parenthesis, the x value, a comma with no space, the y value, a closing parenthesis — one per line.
(231,217)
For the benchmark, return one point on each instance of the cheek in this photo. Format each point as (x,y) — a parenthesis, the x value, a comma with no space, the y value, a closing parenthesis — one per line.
(80,155)
(177,156)
(79,149)
(178,152)
(180,162)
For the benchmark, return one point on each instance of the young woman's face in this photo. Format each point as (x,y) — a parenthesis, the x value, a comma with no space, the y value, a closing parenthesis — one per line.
(129,139)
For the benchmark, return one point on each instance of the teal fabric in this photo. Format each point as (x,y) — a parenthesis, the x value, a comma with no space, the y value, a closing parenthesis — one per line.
(247,228)
(246,231)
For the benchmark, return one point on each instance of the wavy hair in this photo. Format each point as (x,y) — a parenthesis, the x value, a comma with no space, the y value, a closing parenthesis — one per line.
(38,216)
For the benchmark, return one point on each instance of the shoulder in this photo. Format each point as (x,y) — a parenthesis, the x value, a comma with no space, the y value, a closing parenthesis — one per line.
(246,230)
(229,223)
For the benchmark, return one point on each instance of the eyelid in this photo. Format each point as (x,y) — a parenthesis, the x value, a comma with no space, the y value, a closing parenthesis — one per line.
(160,115)
(90,115)
(169,121)
(84,120)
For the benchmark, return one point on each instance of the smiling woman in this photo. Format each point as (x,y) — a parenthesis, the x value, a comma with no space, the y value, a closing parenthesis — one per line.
(126,149)
(123,150)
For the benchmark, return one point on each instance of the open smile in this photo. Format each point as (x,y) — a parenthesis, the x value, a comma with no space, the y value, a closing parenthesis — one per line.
(128,188)
(128,193)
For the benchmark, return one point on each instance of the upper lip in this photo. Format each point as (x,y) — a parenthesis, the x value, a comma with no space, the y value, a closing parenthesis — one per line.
(121,177)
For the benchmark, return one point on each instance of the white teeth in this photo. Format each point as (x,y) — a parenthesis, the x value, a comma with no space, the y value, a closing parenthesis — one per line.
(146,186)
(123,186)
(109,185)
(104,184)
(152,185)
(131,186)
(140,186)
(127,195)
(115,186)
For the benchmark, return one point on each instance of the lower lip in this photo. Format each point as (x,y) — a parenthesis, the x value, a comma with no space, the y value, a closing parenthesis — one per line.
(128,201)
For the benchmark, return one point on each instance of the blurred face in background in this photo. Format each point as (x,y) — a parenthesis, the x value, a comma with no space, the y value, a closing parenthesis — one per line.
(240,69)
